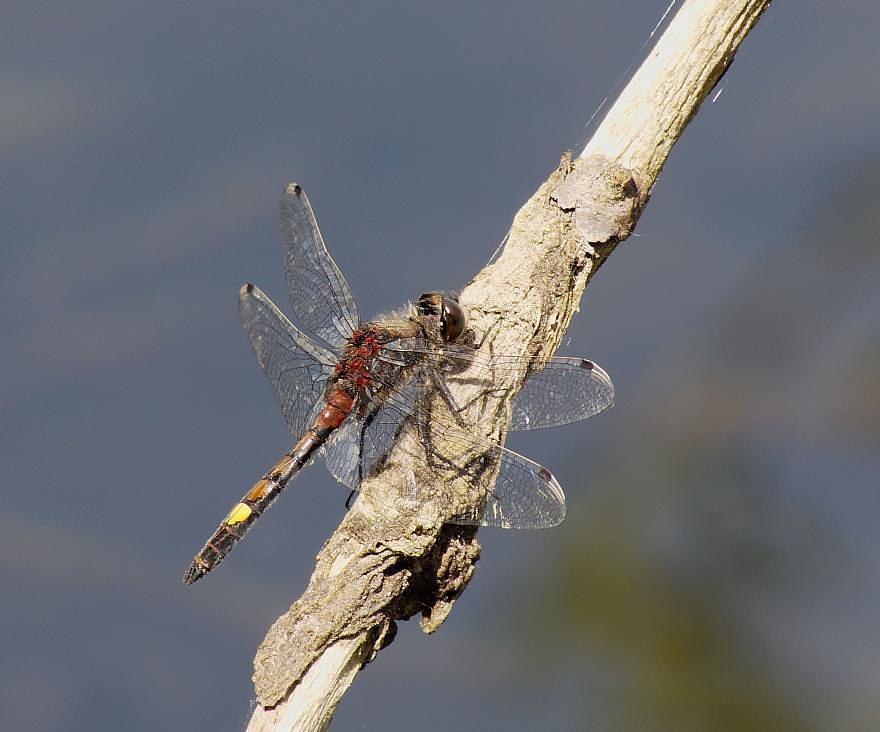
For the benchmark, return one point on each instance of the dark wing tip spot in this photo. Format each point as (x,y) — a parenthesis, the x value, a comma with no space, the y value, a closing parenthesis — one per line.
(587,364)
(546,475)
(295,189)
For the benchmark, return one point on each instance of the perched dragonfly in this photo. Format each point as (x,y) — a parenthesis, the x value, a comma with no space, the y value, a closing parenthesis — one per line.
(348,392)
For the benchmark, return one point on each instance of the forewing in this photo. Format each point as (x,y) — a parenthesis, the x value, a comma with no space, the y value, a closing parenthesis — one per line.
(319,295)
(295,365)
(566,390)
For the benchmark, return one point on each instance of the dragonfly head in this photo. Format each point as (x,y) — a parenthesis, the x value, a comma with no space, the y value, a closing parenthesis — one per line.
(451,315)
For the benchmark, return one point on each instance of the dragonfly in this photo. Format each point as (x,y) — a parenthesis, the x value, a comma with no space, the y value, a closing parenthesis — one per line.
(349,389)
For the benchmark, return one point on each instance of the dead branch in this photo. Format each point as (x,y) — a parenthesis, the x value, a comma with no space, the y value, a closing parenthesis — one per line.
(382,565)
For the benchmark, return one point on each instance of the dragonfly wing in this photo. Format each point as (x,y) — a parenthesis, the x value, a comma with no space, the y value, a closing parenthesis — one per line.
(358,447)
(522,495)
(295,365)
(319,295)
(342,453)
(566,390)
(525,495)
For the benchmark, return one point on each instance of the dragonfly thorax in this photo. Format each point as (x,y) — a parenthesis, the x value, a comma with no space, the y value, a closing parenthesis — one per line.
(357,357)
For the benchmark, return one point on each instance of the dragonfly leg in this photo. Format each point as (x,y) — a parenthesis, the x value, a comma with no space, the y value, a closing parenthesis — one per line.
(449,398)
(423,423)
(368,418)
(454,407)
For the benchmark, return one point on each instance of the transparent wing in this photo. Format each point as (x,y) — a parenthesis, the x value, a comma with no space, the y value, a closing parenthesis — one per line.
(524,495)
(296,366)
(341,453)
(360,445)
(319,295)
(567,389)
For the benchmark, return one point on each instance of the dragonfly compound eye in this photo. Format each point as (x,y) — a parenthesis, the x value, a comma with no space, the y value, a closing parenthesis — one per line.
(452,320)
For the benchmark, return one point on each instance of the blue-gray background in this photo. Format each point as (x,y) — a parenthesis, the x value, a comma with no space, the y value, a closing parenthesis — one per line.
(719,567)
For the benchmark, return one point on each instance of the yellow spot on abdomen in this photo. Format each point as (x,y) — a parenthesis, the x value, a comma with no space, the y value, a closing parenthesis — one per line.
(238,514)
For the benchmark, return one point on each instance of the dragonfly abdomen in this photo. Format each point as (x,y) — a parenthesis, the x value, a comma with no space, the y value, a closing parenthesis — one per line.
(232,529)
(243,515)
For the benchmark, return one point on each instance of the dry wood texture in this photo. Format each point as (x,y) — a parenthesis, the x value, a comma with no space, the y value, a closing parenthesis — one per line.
(381,566)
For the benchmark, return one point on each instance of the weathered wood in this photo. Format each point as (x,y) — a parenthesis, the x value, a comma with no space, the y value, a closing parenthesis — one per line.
(382,565)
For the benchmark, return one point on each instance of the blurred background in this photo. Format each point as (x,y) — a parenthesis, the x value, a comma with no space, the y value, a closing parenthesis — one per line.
(719,566)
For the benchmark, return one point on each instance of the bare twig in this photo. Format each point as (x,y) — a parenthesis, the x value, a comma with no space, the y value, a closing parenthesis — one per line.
(380,565)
